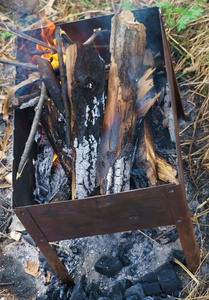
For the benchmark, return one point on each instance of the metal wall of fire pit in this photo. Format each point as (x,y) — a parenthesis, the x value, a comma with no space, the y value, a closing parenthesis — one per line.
(131,210)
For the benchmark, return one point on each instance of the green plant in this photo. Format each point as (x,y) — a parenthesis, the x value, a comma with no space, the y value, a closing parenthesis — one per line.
(186,14)
(5,35)
(127,5)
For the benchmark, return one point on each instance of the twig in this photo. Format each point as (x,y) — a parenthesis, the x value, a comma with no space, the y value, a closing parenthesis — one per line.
(28,66)
(27,37)
(6,283)
(63,84)
(33,131)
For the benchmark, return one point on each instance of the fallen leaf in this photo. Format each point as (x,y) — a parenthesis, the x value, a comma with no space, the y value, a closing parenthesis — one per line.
(32,268)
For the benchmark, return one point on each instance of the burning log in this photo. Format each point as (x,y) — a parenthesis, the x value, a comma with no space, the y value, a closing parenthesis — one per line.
(86,77)
(127,47)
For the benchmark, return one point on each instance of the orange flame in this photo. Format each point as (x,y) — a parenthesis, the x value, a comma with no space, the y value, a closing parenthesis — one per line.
(54,157)
(47,34)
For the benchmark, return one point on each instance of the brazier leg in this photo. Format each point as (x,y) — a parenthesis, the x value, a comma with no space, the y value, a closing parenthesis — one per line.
(180,211)
(44,246)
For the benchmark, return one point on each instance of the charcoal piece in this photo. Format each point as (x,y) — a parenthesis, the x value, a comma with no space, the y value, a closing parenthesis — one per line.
(78,291)
(127,246)
(132,297)
(29,239)
(178,254)
(104,298)
(152,288)
(125,284)
(135,290)
(63,291)
(117,291)
(55,295)
(148,298)
(168,279)
(149,278)
(109,266)
(125,260)
(92,287)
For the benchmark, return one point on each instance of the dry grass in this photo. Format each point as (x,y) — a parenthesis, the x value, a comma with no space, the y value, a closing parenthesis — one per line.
(191,62)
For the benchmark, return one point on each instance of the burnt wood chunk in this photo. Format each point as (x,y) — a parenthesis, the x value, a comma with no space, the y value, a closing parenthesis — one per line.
(52,84)
(127,47)
(86,77)
(54,130)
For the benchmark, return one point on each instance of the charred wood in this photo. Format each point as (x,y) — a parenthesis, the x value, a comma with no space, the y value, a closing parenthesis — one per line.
(52,84)
(63,85)
(127,47)
(86,77)
(26,100)
(54,131)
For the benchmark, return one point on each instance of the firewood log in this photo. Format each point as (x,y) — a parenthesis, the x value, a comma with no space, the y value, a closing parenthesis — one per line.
(86,78)
(127,47)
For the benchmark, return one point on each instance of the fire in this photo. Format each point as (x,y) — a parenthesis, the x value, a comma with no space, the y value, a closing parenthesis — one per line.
(47,34)
(54,157)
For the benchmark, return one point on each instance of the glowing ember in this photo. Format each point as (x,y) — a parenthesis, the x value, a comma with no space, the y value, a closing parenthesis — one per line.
(47,34)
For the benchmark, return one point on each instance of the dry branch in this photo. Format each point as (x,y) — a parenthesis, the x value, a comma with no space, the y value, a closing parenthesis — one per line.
(33,131)
(28,66)
(28,37)
(63,85)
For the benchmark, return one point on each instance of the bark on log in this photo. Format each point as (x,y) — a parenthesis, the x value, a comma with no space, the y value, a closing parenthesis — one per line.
(127,47)
(86,77)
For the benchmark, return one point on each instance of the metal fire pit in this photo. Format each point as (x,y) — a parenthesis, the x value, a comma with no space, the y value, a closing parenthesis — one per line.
(131,210)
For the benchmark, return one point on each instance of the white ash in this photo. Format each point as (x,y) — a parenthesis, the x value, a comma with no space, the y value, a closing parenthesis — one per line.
(49,179)
(119,180)
(168,119)
(85,166)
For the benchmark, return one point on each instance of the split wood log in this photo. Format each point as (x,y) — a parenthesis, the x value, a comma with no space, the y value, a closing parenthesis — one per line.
(55,132)
(52,84)
(145,154)
(127,47)
(86,77)
(165,171)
